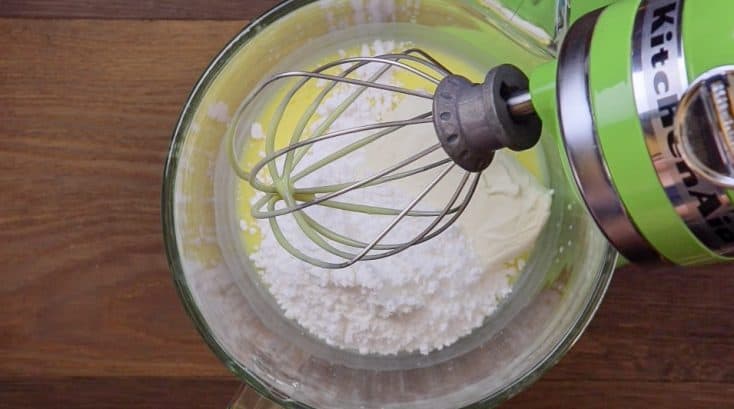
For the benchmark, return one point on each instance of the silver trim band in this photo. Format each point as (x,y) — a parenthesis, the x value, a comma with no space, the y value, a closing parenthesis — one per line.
(659,79)
(582,145)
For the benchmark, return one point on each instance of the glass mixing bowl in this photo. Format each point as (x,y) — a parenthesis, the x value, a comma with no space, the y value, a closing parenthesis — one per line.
(561,287)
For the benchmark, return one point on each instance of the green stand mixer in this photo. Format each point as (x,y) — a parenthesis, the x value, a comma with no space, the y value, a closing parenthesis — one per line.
(639,99)
(635,112)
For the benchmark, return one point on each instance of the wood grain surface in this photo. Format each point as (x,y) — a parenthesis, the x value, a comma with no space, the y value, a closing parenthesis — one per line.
(90,318)
(137,9)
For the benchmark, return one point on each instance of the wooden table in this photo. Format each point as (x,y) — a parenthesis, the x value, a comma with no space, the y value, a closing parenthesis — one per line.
(89,93)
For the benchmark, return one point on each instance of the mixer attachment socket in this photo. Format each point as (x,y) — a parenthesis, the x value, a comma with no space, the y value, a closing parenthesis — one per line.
(472,121)
(704,126)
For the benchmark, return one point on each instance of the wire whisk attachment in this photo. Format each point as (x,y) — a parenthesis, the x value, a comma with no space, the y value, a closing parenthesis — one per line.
(457,145)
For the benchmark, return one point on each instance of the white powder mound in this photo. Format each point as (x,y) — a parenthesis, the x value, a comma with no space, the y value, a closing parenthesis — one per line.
(427,297)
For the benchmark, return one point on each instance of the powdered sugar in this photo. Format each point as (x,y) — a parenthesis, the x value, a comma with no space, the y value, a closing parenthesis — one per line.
(425,298)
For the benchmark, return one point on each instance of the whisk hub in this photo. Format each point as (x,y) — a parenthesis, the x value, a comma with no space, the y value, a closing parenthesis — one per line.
(472,121)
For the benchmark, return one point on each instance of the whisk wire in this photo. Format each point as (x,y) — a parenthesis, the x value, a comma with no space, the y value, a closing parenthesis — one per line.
(358,63)
(428,232)
(437,66)
(316,74)
(386,179)
(294,200)
(391,126)
(295,138)
(334,236)
(392,249)
(390,227)
(293,160)
(282,180)
(292,207)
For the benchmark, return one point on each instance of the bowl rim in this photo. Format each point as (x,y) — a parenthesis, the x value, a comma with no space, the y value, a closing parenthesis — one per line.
(263,387)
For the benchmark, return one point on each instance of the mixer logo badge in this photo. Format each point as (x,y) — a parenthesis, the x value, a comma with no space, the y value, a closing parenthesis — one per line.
(660,79)
(662,18)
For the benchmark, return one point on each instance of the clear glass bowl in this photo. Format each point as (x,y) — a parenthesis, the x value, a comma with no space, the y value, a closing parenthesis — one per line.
(553,301)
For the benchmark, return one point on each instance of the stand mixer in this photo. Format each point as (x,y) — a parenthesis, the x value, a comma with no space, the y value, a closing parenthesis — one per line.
(640,103)
(599,142)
